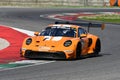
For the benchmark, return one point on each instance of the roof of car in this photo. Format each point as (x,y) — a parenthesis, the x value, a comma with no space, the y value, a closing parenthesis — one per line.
(64,25)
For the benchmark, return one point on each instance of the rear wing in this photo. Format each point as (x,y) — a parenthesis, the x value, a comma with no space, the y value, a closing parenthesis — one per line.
(84,24)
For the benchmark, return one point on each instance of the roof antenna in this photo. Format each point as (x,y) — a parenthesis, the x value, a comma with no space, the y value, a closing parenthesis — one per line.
(56,22)
(89,25)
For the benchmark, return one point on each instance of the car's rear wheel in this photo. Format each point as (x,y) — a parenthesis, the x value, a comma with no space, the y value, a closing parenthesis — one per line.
(97,48)
(78,51)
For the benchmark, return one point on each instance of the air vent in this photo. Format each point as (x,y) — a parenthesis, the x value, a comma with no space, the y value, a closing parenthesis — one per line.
(52,46)
(37,45)
(37,41)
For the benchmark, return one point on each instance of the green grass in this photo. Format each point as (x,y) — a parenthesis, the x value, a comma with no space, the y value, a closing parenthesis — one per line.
(114,18)
(11,65)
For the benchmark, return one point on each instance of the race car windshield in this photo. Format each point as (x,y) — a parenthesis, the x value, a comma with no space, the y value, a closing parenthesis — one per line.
(55,31)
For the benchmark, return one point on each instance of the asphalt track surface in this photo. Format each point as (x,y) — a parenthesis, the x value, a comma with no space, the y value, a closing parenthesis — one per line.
(104,67)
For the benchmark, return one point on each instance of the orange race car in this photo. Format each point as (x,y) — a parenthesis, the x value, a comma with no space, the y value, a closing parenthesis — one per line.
(62,40)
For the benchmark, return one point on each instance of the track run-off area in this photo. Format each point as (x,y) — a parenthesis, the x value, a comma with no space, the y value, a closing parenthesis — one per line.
(104,67)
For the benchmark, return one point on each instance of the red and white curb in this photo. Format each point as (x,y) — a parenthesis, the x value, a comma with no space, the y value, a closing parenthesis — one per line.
(17,62)
(5,45)
(75,16)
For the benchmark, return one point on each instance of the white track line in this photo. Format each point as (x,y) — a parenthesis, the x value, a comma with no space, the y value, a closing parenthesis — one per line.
(30,33)
(5,69)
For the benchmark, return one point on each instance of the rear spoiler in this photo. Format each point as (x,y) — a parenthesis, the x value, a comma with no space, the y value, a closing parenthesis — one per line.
(84,24)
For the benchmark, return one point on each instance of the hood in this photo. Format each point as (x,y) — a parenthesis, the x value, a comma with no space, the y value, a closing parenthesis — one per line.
(50,41)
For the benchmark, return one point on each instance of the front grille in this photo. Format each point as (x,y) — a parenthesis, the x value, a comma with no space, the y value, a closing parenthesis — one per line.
(49,55)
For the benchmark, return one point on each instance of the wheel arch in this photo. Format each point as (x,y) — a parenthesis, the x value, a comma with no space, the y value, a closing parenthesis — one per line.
(92,45)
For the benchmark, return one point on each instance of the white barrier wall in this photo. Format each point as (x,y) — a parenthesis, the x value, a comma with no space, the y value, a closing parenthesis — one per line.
(56,2)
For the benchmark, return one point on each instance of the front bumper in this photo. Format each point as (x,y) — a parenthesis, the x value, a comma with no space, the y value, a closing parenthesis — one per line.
(46,55)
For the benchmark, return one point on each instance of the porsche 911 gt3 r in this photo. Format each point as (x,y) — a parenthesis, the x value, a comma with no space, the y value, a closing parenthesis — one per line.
(62,40)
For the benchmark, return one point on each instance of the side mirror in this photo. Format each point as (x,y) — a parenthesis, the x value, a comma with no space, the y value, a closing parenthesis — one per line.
(83,35)
(36,33)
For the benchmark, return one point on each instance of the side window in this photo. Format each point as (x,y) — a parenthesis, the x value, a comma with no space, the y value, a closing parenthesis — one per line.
(81,31)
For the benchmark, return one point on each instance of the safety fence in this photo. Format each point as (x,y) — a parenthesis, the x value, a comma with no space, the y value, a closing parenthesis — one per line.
(54,2)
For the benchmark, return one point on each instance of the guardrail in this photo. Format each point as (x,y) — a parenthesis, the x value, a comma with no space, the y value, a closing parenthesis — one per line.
(54,2)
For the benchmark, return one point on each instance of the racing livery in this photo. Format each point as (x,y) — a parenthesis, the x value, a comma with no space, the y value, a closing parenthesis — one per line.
(62,40)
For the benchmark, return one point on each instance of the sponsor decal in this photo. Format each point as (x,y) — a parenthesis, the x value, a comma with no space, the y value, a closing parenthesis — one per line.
(56,38)
(47,38)
(44,48)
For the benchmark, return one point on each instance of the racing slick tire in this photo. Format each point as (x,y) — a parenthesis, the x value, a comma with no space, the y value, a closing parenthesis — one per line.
(78,51)
(97,48)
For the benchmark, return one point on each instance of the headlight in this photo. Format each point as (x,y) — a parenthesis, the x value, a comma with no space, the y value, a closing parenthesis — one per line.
(28,41)
(67,43)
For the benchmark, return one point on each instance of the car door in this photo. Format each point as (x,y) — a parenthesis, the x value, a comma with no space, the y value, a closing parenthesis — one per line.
(82,33)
